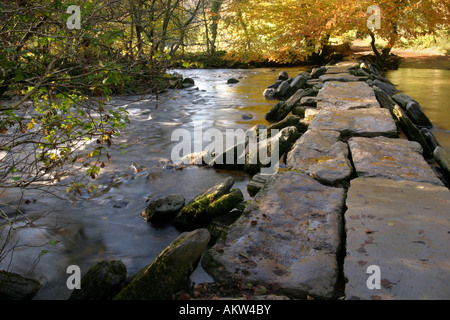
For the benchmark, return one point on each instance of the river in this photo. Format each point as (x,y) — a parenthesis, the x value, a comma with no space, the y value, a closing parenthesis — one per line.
(108,225)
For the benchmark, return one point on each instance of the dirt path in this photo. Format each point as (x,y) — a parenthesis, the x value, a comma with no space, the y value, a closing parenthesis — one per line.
(419,59)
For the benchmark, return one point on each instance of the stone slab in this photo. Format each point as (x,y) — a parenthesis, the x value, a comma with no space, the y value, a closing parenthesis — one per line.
(403,227)
(287,237)
(368,122)
(321,154)
(343,77)
(397,159)
(349,95)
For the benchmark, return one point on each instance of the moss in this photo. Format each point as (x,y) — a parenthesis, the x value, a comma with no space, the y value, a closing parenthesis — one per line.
(224,204)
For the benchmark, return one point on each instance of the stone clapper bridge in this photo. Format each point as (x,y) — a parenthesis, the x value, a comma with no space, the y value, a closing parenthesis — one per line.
(356,193)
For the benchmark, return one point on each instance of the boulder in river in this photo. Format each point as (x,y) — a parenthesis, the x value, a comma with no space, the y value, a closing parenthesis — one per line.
(283,75)
(261,153)
(232,81)
(17,287)
(188,82)
(224,204)
(442,157)
(164,209)
(194,214)
(102,282)
(170,272)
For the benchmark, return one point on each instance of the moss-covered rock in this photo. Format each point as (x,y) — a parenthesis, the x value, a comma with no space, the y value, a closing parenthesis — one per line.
(102,282)
(164,209)
(224,204)
(170,272)
(13,286)
(193,215)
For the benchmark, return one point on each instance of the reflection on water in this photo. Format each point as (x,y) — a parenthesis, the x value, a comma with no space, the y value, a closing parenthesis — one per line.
(430,88)
(109,225)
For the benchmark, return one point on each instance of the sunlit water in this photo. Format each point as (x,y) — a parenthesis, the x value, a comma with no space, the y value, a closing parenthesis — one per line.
(108,225)
(431,89)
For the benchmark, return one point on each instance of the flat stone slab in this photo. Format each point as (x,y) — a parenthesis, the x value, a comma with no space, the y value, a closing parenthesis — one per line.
(287,237)
(321,154)
(337,69)
(397,159)
(403,227)
(343,77)
(350,95)
(368,122)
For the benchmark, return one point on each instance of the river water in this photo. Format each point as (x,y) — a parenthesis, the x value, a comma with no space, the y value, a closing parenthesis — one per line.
(108,225)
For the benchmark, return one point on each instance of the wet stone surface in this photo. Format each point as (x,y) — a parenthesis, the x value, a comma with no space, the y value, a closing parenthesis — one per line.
(397,159)
(322,155)
(287,238)
(403,227)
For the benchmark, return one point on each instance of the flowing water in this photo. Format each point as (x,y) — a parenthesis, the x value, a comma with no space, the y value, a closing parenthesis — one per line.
(108,225)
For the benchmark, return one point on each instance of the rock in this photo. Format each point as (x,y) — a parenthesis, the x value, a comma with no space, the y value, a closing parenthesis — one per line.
(16,287)
(386,87)
(368,122)
(401,227)
(275,84)
(188,82)
(309,101)
(337,69)
(341,77)
(170,272)
(269,93)
(417,116)
(218,227)
(198,158)
(289,121)
(400,116)
(321,154)
(310,114)
(350,95)
(300,111)
(410,130)
(232,80)
(384,99)
(234,157)
(317,72)
(193,215)
(278,112)
(282,90)
(396,159)
(430,138)
(283,75)
(297,83)
(295,99)
(254,159)
(288,236)
(102,282)
(164,209)
(224,204)
(402,100)
(257,183)
(443,159)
